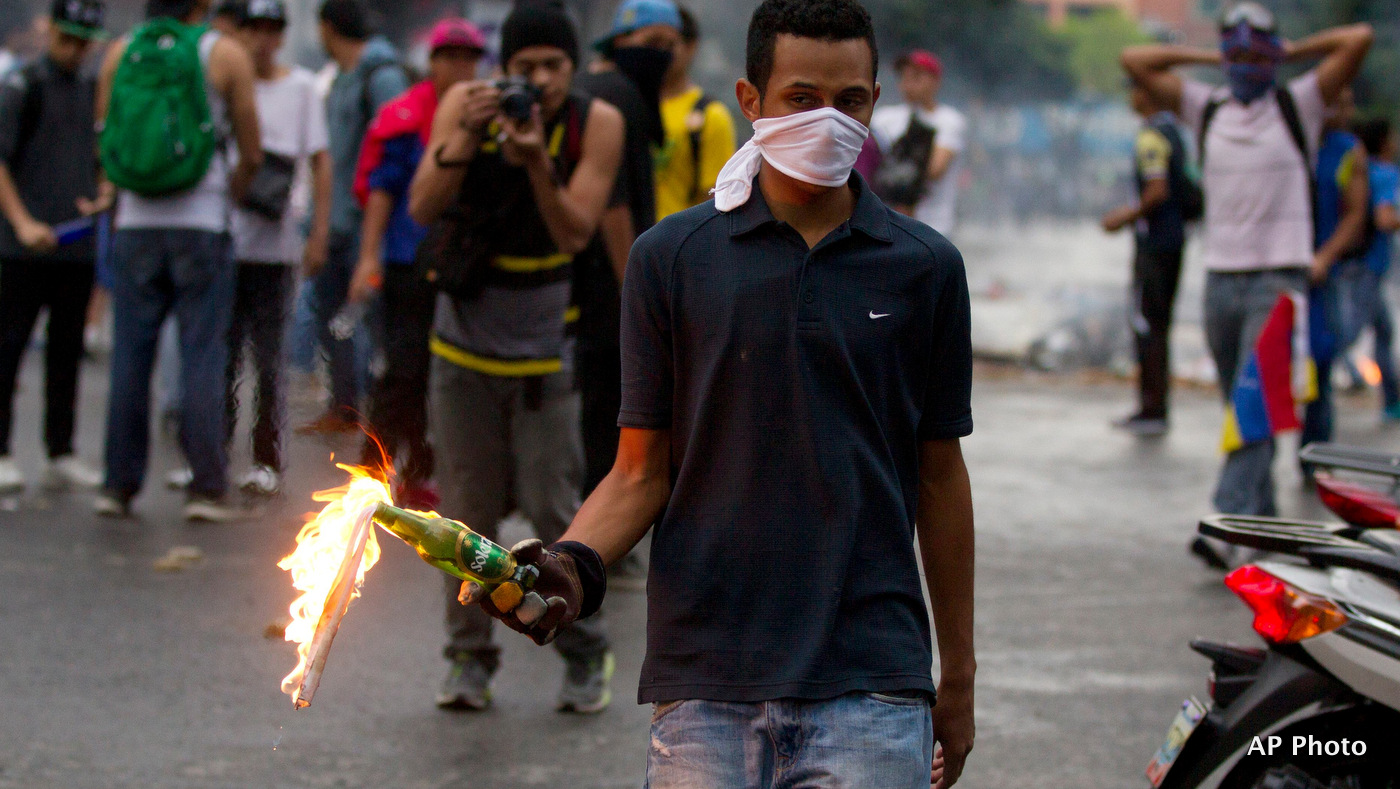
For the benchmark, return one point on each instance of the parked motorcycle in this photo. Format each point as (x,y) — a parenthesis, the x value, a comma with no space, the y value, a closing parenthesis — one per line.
(1318,707)
(1367,498)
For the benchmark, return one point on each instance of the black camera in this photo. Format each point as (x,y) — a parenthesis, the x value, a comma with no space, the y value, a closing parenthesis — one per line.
(518,97)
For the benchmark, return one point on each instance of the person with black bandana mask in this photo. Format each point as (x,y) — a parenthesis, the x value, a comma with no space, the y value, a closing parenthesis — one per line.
(635,56)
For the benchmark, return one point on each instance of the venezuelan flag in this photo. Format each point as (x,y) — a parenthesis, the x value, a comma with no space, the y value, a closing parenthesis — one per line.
(1278,376)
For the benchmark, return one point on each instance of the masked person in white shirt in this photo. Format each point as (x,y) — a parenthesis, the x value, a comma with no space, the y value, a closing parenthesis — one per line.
(933,188)
(1258,138)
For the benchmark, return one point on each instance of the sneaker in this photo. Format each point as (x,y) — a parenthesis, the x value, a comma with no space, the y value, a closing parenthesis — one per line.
(112,504)
(11,478)
(587,685)
(261,480)
(70,472)
(1391,413)
(180,478)
(1207,552)
(420,496)
(1140,425)
(213,510)
(466,688)
(331,422)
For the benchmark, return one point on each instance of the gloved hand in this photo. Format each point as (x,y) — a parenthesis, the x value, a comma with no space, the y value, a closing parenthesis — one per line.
(570,586)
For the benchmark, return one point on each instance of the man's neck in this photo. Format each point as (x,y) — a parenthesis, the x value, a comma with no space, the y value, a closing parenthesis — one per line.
(349,55)
(674,88)
(812,211)
(926,106)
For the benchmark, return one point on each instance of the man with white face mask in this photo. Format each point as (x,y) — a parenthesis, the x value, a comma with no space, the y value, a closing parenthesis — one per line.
(796,377)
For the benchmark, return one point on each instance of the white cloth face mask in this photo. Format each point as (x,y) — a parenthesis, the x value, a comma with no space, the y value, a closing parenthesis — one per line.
(818,147)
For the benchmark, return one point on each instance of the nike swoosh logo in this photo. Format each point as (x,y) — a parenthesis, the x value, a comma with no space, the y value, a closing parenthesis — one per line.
(875,317)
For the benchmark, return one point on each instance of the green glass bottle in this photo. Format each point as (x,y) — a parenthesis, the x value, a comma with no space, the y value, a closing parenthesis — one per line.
(450,546)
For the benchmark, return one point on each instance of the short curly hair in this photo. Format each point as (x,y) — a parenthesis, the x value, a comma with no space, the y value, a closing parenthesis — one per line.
(825,20)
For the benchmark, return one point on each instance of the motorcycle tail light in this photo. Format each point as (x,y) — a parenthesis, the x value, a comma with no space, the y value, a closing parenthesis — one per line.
(1358,504)
(1282,614)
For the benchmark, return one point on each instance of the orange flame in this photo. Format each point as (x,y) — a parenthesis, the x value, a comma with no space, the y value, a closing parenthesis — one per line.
(321,549)
(1369,370)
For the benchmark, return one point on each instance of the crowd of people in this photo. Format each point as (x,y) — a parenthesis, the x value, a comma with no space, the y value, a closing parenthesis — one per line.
(527,300)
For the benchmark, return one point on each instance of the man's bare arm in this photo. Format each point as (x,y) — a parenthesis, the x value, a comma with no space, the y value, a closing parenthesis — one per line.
(1342,50)
(572,214)
(318,240)
(233,75)
(1351,225)
(369,270)
(628,500)
(1150,65)
(454,139)
(32,233)
(1155,192)
(618,236)
(946,544)
(940,162)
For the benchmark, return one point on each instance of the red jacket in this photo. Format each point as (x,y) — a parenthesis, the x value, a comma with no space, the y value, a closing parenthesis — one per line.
(410,113)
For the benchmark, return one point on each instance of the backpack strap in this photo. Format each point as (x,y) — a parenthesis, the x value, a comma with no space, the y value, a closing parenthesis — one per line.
(32,109)
(367,108)
(1207,116)
(696,134)
(1288,107)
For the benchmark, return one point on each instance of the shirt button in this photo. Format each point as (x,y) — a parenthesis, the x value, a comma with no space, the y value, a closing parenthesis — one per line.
(808,297)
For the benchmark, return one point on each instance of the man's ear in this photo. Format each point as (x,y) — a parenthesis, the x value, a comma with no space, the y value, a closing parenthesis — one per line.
(750,101)
(875,97)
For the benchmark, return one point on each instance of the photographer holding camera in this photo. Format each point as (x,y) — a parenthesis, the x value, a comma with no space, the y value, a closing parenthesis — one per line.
(515,179)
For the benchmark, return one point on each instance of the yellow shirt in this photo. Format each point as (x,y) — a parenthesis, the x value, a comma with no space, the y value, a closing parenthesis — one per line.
(677,187)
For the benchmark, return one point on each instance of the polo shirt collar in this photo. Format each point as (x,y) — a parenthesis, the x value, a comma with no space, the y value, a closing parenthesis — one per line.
(869,217)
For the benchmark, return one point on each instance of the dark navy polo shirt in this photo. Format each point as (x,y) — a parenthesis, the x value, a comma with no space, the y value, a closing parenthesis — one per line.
(797,385)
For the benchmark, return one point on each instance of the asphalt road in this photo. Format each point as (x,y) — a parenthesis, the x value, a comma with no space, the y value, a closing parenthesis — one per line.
(114,674)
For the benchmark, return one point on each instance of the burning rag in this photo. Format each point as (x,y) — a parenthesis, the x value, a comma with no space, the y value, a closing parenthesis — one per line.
(410,113)
(816,147)
(1279,376)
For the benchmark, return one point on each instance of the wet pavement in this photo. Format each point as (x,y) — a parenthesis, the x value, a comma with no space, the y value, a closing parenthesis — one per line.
(116,674)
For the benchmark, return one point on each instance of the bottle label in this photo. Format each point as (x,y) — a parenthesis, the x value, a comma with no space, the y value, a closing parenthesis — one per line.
(482,558)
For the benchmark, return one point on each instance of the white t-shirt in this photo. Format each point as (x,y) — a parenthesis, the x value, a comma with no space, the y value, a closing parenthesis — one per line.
(939,206)
(1258,206)
(293,122)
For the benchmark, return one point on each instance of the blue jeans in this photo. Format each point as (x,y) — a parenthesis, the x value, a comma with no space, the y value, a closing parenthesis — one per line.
(187,273)
(855,741)
(1237,305)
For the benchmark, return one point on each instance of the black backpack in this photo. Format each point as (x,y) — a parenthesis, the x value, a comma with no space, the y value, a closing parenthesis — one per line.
(900,178)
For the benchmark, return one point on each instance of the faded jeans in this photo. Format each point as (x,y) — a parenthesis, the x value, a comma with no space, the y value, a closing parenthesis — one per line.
(190,275)
(504,443)
(1237,305)
(856,741)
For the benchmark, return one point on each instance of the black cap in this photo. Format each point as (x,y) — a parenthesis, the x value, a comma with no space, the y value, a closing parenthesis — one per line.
(538,23)
(81,18)
(264,11)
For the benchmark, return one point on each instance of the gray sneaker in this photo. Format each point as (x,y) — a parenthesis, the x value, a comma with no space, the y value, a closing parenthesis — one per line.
(467,687)
(587,685)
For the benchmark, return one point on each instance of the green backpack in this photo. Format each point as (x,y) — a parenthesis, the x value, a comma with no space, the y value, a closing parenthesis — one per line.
(159,136)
